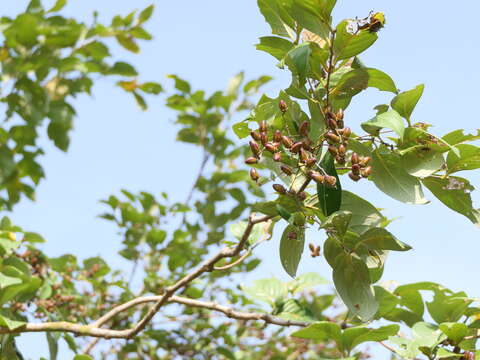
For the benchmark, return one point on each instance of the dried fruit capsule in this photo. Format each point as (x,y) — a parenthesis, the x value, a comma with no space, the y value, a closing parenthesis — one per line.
(340,123)
(317,177)
(304,155)
(310,162)
(331,115)
(263,138)
(342,150)
(254,174)
(279,188)
(277,157)
(340,159)
(255,135)
(282,105)
(340,114)
(356,169)
(333,150)
(354,159)
(251,160)
(332,137)
(347,132)
(272,147)
(287,142)
(277,136)
(304,128)
(296,147)
(331,180)
(364,160)
(332,123)
(307,143)
(255,148)
(366,172)
(353,176)
(286,169)
(302,195)
(263,126)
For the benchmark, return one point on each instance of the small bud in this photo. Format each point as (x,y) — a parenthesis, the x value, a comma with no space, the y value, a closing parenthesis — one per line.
(279,188)
(340,123)
(364,160)
(296,147)
(287,142)
(347,132)
(263,126)
(366,172)
(286,169)
(307,144)
(255,148)
(277,136)
(356,169)
(277,157)
(331,180)
(331,115)
(283,106)
(353,176)
(317,177)
(263,138)
(333,150)
(304,128)
(255,135)
(254,174)
(340,114)
(272,147)
(310,162)
(340,159)
(332,137)
(332,123)
(251,160)
(342,150)
(302,195)
(304,155)
(354,159)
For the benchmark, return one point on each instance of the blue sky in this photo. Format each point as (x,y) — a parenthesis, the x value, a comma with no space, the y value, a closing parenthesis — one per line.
(115,145)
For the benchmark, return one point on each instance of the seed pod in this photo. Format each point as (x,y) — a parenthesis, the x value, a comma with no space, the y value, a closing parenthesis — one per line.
(356,169)
(282,105)
(287,142)
(331,180)
(353,176)
(340,159)
(342,150)
(296,147)
(302,195)
(277,136)
(304,128)
(310,162)
(251,160)
(331,115)
(254,174)
(364,160)
(307,144)
(279,188)
(286,169)
(263,138)
(317,177)
(354,159)
(277,157)
(332,123)
(272,147)
(340,114)
(332,137)
(366,172)
(255,135)
(255,148)
(340,123)
(263,126)
(304,155)
(347,132)
(333,150)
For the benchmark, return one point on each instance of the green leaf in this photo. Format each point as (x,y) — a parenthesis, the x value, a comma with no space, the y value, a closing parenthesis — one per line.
(389,119)
(52,340)
(348,44)
(444,353)
(448,308)
(9,323)
(329,198)
(180,84)
(306,281)
(454,331)
(321,331)
(422,162)
(391,178)
(364,214)
(292,244)
(467,158)
(352,281)
(275,46)
(275,16)
(454,192)
(146,13)
(59,5)
(82,357)
(268,290)
(241,129)
(298,59)
(128,42)
(355,336)
(122,68)
(234,84)
(458,136)
(8,280)
(405,102)
(239,228)
(338,222)
(381,239)
(357,80)
(151,88)
(313,15)
(427,335)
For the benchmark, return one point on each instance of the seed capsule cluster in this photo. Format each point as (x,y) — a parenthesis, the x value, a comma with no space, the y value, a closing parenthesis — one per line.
(360,167)
(337,136)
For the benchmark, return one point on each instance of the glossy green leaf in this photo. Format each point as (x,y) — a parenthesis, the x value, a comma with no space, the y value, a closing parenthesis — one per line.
(347,44)
(458,136)
(329,198)
(298,59)
(448,307)
(389,119)
(306,281)
(9,323)
(239,228)
(82,357)
(454,331)
(357,80)
(405,102)
(268,290)
(313,15)
(467,158)
(355,336)
(364,214)
(292,244)
(381,239)
(338,222)
(146,13)
(422,162)
(454,192)
(275,46)
(275,17)
(59,5)
(321,331)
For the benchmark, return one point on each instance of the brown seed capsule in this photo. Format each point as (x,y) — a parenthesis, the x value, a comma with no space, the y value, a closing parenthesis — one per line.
(251,160)
(304,128)
(304,155)
(340,123)
(277,136)
(287,142)
(286,169)
(331,115)
(342,150)
(310,162)
(332,124)
(354,159)
(332,137)
(279,188)
(283,106)
(296,147)
(272,147)
(255,135)
(307,144)
(302,195)
(263,126)
(366,172)
(347,132)
(263,138)
(277,157)
(364,160)
(353,176)
(356,169)
(340,114)
(254,174)
(340,159)
(311,247)
(292,235)
(333,150)
(331,180)
(255,148)
(317,177)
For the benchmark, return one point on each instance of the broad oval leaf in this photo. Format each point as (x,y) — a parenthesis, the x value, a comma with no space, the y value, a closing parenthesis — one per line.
(364,214)
(422,163)
(321,331)
(292,244)
(467,158)
(329,198)
(381,239)
(347,44)
(275,46)
(405,102)
(389,119)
